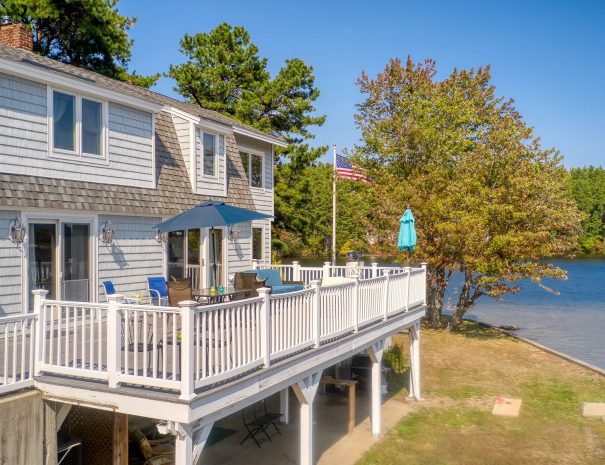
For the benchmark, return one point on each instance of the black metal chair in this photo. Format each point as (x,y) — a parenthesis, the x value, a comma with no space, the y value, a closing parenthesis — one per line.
(267,418)
(252,425)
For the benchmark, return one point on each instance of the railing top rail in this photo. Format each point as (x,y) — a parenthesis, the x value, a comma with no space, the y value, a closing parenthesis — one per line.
(76,304)
(148,308)
(372,280)
(227,305)
(14,318)
(286,295)
(350,283)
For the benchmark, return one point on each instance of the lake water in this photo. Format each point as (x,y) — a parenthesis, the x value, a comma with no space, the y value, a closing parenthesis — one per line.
(572,322)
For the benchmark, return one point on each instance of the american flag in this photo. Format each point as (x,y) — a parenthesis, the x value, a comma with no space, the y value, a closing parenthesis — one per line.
(349,170)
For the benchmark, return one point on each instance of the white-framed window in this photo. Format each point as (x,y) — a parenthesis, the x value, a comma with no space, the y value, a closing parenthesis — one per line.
(253,168)
(257,243)
(77,126)
(213,145)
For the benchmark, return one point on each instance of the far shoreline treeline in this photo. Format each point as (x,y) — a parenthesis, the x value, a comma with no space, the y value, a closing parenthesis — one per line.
(587,188)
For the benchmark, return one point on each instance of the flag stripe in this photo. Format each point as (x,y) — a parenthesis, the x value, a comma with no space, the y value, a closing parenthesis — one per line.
(349,170)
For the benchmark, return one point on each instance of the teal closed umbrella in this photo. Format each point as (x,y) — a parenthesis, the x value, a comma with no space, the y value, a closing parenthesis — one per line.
(407,232)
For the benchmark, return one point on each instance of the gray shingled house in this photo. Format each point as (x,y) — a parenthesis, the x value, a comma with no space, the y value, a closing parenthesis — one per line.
(80,152)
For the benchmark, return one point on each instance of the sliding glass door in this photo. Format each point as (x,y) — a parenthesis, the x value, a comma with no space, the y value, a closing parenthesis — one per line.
(59,260)
(75,276)
(42,251)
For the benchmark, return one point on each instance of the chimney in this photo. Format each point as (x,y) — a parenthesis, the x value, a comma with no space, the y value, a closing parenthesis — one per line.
(16,35)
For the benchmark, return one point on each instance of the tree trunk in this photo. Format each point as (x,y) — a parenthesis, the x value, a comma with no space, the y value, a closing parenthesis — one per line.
(466,300)
(437,284)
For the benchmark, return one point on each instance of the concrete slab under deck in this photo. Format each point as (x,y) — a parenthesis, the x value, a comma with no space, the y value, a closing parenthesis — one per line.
(332,443)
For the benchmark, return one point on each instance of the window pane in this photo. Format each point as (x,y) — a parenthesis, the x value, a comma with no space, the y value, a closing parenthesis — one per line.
(209,155)
(176,254)
(257,243)
(64,121)
(91,127)
(246,163)
(256,171)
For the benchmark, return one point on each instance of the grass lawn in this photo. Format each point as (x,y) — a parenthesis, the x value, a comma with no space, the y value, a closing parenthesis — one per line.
(463,373)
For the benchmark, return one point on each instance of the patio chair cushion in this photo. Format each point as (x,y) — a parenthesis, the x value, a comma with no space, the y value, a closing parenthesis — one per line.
(158,284)
(273,280)
(272,277)
(179,292)
(286,288)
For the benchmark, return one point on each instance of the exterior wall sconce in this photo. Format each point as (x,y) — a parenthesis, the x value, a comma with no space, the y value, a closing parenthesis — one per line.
(107,233)
(233,234)
(17,232)
(161,237)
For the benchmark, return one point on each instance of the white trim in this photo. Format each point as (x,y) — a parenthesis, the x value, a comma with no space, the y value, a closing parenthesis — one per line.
(193,156)
(56,78)
(200,135)
(259,153)
(214,127)
(154,176)
(262,137)
(77,156)
(183,114)
(58,219)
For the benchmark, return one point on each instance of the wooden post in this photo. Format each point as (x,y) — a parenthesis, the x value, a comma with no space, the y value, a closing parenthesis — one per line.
(265,325)
(187,349)
(39,328)
(183,449)
(375,351)
(295,271)
(356,306)
(316,328)
(114,338)
(374,270)
(120,439)
(424,267)
(327,269)
(385,301)
(351,388)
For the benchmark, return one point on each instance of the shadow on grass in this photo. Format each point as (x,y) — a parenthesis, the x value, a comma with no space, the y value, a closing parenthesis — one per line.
(478,330)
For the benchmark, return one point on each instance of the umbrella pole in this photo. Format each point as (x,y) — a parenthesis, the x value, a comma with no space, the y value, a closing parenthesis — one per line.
(213,255)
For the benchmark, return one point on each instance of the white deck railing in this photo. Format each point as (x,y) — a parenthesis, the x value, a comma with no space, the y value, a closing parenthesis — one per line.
(190,347)
(17,338)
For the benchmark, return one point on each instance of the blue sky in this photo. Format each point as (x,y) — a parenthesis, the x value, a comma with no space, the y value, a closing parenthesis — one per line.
(547,55)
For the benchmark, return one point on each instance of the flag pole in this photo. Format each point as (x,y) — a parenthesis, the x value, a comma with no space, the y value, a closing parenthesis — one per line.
(334,207)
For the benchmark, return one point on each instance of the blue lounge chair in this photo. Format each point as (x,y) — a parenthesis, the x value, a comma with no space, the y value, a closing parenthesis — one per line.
(273,280)
(158,290)
(110,289)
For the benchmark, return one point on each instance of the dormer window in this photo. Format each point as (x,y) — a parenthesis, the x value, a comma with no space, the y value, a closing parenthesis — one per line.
(253,168)
(78,126)
(212,146)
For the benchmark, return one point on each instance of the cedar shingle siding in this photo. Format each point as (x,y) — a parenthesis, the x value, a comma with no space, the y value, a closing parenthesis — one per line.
(173,193)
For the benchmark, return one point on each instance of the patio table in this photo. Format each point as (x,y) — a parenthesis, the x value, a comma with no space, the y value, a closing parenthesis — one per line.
(350,384)
(217,297)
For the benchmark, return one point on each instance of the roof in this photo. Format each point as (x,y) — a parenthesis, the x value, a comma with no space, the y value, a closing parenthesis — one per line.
(33,60)
(172,195)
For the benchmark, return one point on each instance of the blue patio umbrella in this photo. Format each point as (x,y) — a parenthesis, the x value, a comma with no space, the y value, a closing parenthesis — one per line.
(210,215)
(407,232)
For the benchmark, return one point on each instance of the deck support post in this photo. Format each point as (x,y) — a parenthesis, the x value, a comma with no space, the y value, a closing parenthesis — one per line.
(120,439)
(414,335)
(305,391)
(284,405)
(190,442)
(375,351)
